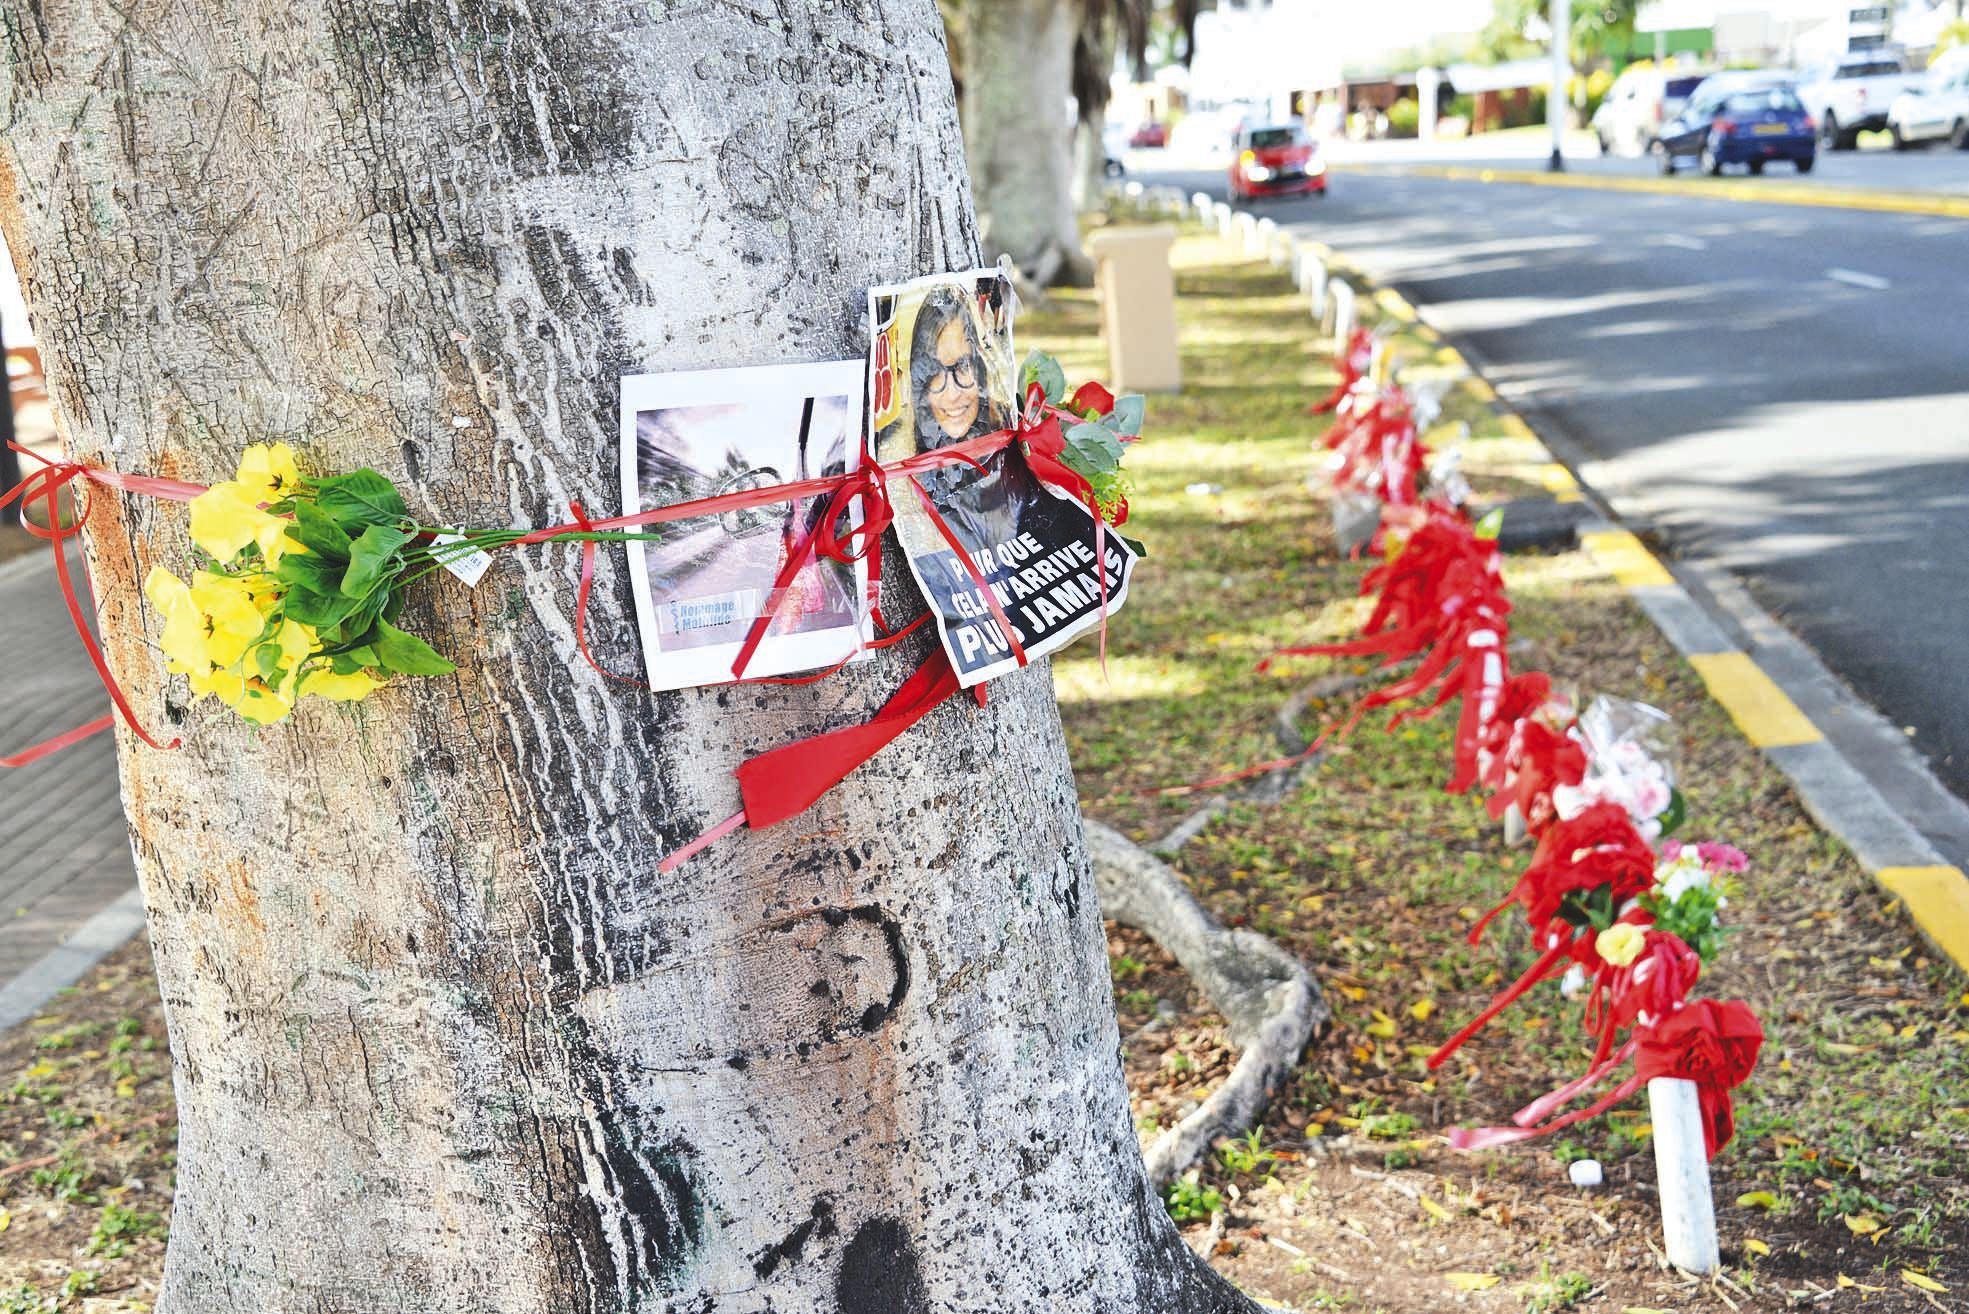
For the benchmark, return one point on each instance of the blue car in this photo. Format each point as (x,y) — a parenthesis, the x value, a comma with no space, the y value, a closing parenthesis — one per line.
(1734,120)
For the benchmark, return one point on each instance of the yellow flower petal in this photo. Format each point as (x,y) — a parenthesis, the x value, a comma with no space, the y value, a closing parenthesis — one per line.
(226,519)
(184,640)
(267,470)
(296,641)
(1620,944)
(233,623)
(260,704)
(324,683)
(227,686)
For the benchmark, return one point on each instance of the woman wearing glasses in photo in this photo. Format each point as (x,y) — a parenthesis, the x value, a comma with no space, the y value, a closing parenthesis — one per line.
(951,400)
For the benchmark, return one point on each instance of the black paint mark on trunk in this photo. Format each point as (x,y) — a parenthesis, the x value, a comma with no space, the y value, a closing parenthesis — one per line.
(818,1227)
(880,1273)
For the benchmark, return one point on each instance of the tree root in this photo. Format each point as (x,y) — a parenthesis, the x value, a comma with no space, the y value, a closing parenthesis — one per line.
(1266,995)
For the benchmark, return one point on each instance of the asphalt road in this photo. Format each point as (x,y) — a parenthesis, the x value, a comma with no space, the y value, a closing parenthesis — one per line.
(1931,168)
(1780,390)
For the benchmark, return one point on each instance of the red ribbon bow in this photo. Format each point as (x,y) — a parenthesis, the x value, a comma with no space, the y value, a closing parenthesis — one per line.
(46,484)
(1654,985)
(1712,1044)
(1598,848)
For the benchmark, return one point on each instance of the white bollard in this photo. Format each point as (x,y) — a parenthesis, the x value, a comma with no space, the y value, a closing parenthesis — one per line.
(1315,281)
(1268,238)
(1134,190)
(1202,202)
(1247,228)
(1688,1214)
(1226,217)
(1341,294)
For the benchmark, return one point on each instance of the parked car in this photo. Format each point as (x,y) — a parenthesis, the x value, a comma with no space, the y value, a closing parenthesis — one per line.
(1276,160)
(1938,110)
(1851,94)
(1637,104)
(1745,119)
(1150,136)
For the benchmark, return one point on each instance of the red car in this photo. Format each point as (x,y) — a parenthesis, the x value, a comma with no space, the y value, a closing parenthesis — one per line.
(1149,136)
(1276,161)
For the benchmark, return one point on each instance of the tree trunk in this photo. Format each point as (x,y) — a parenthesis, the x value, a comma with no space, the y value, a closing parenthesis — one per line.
(1018,134)
(444,1038)
(1090,162)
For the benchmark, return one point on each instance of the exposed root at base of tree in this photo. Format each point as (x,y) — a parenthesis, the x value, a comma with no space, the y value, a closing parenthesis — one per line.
(1269,1000)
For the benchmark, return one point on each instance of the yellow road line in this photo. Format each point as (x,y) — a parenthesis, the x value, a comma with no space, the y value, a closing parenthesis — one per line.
(1768,192)
(1938,900)
(1394,303)
(1514,426)
(1764,712)
(1624,557)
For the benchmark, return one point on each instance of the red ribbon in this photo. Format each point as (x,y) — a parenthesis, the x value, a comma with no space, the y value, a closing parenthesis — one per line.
(46,484)
(1599,847)
(1712,1044)
(786,781)
(1654,984)
(1353,365)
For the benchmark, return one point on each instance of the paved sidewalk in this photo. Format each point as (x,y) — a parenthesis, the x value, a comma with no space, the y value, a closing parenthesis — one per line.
(64,847)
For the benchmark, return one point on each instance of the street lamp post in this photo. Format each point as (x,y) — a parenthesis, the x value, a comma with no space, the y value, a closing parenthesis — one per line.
(1555,97)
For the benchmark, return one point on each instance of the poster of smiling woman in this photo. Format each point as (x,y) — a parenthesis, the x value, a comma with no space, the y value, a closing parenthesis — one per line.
(942,370)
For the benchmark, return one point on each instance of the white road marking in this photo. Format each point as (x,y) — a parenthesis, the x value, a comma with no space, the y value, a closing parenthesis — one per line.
(1685,243)
(1872,282)
(1565,221)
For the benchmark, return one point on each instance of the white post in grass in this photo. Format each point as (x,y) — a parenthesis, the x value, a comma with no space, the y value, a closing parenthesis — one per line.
(1688,1214)
(1342,294)
(1313,277)
(1202,202)
(1555,98)
(1247,227)
(1225,218)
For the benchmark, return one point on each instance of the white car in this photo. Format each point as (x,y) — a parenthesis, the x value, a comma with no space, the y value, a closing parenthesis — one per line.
(1640,100)
(1851,94)
(1936,111)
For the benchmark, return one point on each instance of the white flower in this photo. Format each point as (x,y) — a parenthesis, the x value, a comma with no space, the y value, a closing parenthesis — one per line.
(1681,875)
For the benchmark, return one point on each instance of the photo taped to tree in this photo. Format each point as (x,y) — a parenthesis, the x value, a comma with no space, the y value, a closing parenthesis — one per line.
(941,371)
(700,586)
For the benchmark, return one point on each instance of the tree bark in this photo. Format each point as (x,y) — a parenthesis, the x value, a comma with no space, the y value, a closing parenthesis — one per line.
(444,1039)
(1018,134)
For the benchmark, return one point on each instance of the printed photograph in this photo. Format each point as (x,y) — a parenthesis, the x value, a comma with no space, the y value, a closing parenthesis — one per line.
(941,371)
(706,580)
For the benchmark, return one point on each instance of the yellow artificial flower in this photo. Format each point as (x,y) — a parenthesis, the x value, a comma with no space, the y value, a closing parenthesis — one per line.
(1620,944)
(184,640)
(324,683)
(267,471)
(226,519)
(227,686)
(258,702)
(232,621)
(295,641)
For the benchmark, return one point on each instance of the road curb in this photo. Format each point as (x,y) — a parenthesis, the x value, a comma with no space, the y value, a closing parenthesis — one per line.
(1836,792)
(69,961)
(1716,189)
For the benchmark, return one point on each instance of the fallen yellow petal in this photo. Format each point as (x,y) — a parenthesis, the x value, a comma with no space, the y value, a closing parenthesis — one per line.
(1862,1224)
(1753,1246)
(1757,1200)
(1434,1210)
(1471,1281)
(1925,1283)
(1421,1008)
